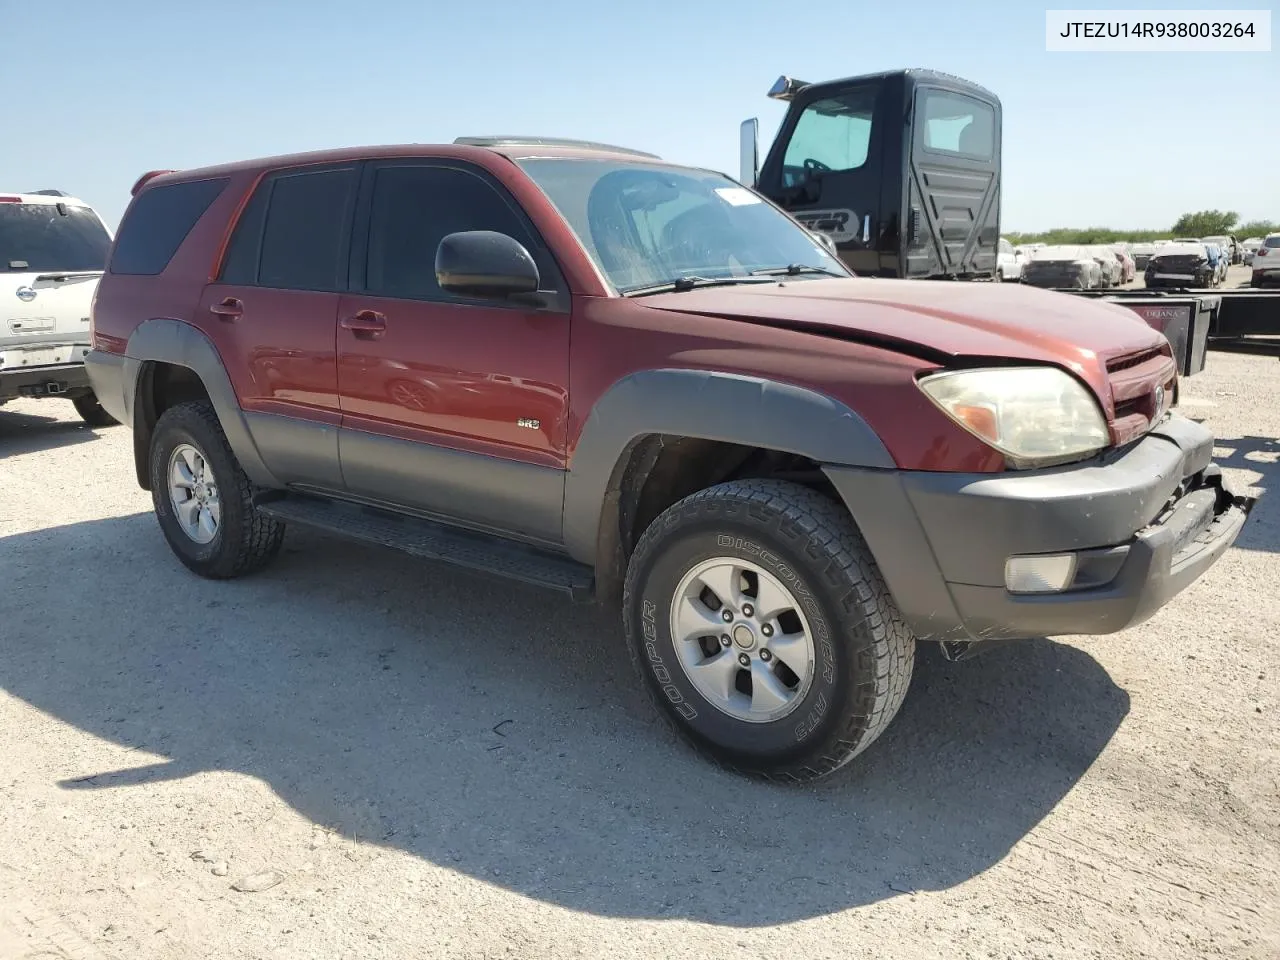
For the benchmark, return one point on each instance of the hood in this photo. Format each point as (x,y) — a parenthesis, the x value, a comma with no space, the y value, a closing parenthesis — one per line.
(938,320)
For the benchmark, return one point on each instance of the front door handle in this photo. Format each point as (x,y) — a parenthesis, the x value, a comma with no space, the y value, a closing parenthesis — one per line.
(367,324)
(228,309)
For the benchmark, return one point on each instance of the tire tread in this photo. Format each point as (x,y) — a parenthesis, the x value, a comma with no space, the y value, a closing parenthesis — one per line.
(258,538)
(824,531)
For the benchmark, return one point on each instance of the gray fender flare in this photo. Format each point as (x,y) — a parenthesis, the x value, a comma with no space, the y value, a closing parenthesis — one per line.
(709,405)
(172,341)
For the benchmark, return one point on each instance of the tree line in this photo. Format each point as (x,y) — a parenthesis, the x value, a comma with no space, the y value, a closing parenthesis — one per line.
(1204,223)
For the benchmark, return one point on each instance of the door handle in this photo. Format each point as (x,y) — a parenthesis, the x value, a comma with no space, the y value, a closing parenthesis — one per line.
(866,228)
(366,324)
(228,309)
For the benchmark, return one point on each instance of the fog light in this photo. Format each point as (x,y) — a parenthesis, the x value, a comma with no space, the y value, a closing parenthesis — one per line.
(1044,574)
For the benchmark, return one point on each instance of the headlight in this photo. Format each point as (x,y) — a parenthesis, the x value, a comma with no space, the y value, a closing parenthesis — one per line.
(1035,416)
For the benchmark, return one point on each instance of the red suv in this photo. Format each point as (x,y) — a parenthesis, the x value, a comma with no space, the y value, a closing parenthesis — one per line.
(585,368)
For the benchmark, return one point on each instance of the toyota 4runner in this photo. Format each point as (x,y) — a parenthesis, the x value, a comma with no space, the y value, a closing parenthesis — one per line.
(585,368)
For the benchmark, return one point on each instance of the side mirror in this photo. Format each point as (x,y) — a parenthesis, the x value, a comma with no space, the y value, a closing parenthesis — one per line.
(485,264)
(749,152)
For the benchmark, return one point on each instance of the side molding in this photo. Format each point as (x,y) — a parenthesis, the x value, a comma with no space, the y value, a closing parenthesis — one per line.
(172,341)
(728,407)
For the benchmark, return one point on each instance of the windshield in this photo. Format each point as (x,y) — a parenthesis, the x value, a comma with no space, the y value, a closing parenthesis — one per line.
(1272,242)
(651,224)
(36,237)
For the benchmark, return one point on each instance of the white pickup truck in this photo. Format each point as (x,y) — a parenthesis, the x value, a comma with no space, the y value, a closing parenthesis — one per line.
(53,249)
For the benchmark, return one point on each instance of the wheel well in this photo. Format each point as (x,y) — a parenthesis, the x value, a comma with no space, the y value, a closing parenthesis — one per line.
(657,470)
(160,386)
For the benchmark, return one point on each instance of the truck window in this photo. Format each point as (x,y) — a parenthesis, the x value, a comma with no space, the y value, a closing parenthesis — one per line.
(954,123)
(832,134)
(415,207)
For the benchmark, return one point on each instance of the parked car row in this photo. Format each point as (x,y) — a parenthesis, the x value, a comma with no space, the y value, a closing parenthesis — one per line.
(1181,261)
(1084,267)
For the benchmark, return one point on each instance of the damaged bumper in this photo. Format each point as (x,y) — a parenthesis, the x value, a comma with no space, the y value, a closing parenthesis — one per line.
(1115,538)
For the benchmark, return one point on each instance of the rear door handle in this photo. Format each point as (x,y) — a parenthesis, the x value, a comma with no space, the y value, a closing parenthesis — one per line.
(228,309)
(367,324)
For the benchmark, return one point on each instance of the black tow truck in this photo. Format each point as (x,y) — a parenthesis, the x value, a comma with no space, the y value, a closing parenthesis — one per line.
(900,170)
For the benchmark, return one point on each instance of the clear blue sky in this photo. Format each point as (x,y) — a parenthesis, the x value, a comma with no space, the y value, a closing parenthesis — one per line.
(116,87)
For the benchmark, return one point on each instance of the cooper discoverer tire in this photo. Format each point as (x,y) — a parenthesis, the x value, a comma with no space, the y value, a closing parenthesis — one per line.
(202,498)
(802,712)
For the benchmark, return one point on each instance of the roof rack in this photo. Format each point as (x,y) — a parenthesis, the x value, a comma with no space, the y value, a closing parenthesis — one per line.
(49,193)
(548,142)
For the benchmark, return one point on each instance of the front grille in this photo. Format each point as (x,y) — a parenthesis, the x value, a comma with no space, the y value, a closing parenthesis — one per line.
(1134,380)
(1132,360)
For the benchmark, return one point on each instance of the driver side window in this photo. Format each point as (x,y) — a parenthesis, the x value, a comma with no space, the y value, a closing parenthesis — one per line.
(833,135)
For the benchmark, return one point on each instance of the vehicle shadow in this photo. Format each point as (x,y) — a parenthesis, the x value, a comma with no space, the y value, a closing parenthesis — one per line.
(499,731)
(1260,456)
(27,433)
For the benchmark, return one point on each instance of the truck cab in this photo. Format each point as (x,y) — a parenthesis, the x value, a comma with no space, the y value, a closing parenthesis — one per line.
(900,169)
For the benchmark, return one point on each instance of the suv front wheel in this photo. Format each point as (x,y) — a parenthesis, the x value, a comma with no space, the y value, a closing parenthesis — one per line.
(202,498)
(763,629)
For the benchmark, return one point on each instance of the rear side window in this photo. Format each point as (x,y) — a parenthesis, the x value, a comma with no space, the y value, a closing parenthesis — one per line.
(294,232)
(954,123)
(158,222)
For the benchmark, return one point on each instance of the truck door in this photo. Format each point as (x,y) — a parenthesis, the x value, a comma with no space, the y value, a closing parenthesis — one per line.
(826,168)
(953,185)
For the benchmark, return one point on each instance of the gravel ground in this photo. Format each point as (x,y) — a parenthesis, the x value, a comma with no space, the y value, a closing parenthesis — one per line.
(359,755)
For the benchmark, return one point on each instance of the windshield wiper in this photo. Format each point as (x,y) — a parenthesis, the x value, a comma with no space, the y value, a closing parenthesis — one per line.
(70,274)
(681,284)
(794,270)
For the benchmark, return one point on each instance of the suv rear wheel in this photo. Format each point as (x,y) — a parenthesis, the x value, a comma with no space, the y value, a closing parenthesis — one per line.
(763,630)
(202,498)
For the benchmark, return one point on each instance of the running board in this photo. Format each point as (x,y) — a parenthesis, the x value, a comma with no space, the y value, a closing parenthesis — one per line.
(436,541)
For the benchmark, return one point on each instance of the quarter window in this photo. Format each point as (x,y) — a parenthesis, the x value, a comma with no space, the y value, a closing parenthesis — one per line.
(158,222)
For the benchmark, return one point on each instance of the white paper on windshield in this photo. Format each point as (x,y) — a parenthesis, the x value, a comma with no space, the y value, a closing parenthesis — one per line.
(738,196)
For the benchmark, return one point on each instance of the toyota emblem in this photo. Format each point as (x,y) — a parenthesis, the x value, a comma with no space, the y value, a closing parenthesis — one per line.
(26,294)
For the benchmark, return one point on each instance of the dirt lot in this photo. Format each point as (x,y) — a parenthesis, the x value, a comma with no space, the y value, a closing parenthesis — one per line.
(398,760)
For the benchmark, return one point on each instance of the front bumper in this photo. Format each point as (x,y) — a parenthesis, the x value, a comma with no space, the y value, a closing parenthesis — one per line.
(54,380)
(1144,523)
